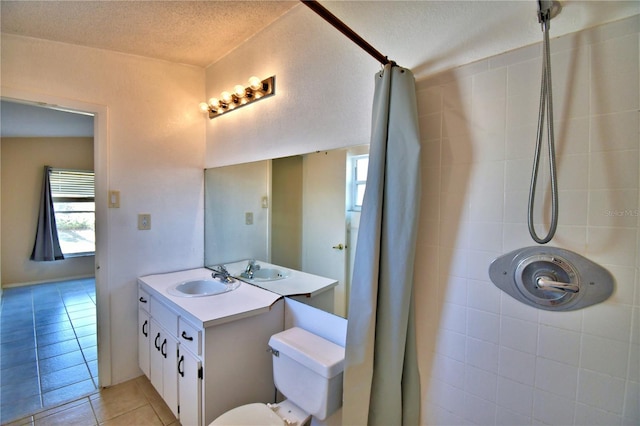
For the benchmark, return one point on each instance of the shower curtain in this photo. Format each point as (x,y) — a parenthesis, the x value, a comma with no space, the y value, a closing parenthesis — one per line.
(381,381)
(47,246)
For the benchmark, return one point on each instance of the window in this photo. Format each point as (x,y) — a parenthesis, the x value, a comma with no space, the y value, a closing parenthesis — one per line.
(360,165)
(74,204)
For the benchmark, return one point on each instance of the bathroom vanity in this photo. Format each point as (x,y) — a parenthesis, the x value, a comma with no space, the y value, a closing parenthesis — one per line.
(206,355)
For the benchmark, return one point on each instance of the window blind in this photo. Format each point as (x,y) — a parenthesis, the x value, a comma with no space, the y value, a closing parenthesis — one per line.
(73,184)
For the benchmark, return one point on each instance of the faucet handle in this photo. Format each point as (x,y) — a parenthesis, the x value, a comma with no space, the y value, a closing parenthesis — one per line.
(252,265)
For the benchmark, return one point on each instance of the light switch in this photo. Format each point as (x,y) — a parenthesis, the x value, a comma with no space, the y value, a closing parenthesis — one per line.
(248,218)
(114,199)
(144,221)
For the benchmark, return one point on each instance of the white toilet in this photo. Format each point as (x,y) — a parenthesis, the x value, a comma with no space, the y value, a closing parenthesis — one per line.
(307,370)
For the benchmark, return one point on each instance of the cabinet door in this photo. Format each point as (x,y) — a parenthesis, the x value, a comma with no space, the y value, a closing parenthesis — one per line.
(190,388)
(143,341)
(169,352)
(164,364)
(155,357)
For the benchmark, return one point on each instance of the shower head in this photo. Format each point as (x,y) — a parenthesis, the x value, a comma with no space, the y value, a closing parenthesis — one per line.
(548,9)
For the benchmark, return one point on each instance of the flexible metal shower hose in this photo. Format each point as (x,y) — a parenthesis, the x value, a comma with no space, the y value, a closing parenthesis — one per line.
(546,103)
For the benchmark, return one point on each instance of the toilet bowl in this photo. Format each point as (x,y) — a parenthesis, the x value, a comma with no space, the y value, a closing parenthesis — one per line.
(307,370)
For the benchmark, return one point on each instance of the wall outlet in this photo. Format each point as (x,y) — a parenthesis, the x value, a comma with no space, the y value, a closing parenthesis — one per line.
(144,221)
(248,218)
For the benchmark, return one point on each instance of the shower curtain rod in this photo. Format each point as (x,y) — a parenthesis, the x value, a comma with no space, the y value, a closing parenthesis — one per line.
(344,29)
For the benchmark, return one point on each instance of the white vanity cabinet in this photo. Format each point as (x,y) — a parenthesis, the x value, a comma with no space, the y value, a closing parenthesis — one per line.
(207,355)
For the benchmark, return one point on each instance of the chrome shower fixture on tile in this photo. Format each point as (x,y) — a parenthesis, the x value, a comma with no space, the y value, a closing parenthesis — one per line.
(551,278)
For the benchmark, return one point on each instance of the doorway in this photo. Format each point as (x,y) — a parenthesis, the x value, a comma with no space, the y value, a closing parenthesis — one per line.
(95,290)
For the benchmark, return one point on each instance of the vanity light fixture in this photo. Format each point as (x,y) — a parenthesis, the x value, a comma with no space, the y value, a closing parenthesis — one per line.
(241,96)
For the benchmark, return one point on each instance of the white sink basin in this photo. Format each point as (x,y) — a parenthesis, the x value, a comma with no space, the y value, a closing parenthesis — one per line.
(270,274)
(202,287)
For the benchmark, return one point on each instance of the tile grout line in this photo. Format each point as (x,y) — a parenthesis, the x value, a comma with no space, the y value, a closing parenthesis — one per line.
(37,348)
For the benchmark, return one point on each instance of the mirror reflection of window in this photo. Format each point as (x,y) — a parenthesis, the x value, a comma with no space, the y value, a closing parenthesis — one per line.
(359,179)
(74,205)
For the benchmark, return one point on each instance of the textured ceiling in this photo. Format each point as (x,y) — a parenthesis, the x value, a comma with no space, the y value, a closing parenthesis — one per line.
(426,36)
(188,32)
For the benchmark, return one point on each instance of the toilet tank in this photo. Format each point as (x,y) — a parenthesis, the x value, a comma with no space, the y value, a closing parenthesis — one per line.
(307,370)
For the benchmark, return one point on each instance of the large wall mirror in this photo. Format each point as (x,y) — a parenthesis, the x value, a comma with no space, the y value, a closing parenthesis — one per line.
(301,212)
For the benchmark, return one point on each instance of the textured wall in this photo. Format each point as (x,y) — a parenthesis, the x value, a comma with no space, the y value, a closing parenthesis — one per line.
(324,91)
(486,358)
(153,152)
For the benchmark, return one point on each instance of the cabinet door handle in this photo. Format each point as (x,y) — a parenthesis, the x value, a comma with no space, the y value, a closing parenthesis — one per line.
(181,371)
(142,300)
(186,337)
(155,343)
(146,322)
(163,349)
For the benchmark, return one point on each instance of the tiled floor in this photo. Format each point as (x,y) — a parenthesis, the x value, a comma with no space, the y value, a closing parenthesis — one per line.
(48,346)
(130,403)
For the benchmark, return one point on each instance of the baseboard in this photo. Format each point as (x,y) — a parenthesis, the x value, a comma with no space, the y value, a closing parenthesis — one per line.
(54,280)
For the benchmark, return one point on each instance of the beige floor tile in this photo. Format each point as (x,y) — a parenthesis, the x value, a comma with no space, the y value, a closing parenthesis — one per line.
(159,406)
(117,400)
(63,407)
(78,414)
(141,416)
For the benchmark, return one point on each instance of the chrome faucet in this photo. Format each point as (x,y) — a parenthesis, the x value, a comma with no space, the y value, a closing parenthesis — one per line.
(222,274)
(252,267)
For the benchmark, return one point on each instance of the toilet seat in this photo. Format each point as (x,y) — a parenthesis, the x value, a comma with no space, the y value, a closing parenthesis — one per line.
(263,415)
(249,415)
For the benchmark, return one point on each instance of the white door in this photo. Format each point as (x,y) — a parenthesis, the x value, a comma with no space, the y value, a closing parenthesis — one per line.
(324,234)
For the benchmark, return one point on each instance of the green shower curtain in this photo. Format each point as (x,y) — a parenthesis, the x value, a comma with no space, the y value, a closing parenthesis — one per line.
(381,380)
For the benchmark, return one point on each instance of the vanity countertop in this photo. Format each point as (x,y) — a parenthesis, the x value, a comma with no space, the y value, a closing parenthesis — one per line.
(245,301)
(298,283)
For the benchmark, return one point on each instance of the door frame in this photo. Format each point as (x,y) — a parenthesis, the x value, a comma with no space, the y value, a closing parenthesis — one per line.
(101,170)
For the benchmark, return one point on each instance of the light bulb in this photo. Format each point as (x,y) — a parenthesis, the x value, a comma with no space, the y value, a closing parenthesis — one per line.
(226,97)
(204,107)
(239,91)
(255,83)
(214,103)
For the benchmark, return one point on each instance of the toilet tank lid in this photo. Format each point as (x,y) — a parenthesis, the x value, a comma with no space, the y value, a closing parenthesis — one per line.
(314,352)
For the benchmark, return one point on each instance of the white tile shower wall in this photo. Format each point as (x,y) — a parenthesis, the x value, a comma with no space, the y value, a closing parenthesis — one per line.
(486,358)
